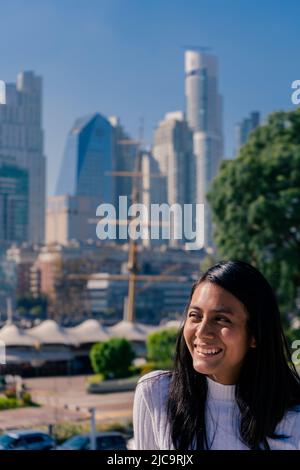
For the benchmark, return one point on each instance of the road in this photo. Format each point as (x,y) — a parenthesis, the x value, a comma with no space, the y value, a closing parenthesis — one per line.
(54,393)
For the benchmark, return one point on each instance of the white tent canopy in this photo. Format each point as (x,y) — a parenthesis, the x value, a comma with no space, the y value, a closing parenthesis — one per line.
(49,332)
(11,335)
(128,330)
(90,331)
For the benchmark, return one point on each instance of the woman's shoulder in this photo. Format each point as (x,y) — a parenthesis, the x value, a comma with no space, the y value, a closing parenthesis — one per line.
(155,378)
(290,425)
(155,383)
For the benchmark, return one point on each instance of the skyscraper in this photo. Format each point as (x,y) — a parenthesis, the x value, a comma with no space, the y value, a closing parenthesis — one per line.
(204,116)
(153,189)
(173,150)
(13,202)
(22,139)
(84,181)
(88,159)
(244,128)
(125,151)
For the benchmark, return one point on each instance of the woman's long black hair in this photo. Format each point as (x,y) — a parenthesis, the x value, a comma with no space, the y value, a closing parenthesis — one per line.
(268,384)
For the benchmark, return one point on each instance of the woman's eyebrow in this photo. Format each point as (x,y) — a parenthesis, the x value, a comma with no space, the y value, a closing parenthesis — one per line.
(221,309)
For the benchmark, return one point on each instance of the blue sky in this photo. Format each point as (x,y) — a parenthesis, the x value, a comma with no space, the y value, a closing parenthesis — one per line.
(125,58)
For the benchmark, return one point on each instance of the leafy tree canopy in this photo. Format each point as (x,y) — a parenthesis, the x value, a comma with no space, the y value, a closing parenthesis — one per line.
(255,201)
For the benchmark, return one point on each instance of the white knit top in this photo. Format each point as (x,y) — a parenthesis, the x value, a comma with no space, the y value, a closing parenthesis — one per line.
(151,429)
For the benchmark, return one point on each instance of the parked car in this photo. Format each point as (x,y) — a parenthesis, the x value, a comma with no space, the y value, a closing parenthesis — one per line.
(26,440)
(104,441)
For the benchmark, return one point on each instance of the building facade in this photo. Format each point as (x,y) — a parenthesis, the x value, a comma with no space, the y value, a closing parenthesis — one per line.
(21,138)
(88,159)
(96,168)
(85,180)
(21,259)
(204,117)
(153,190)
(173,151)
(125,151)
(70,218)
(156,301)
(14,202)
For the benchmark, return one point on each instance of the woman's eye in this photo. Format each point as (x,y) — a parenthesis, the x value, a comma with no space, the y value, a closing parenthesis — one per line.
(224,319)
(193,314)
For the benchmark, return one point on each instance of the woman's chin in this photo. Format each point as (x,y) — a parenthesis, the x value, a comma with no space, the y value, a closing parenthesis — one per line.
(203,368)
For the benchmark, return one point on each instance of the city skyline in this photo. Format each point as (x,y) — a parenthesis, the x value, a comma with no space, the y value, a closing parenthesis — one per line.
(122,65)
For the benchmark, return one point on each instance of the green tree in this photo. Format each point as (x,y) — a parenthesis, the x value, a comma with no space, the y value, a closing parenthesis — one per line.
(255,201)
(161,346)
(112,358)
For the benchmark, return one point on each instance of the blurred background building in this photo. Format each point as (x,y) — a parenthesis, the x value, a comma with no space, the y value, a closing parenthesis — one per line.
(22,139)
(14,202)
(88,156)
(204,117)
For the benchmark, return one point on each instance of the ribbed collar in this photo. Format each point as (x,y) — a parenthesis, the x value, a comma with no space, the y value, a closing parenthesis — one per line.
(219,391)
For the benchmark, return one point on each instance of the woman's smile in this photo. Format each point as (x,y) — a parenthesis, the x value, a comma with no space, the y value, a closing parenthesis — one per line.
(208,353)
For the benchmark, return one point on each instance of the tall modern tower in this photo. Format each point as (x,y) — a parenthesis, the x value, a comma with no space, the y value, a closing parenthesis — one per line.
(173,151)
(22,139)
(125,151)
(84,180)
(204,116)
(87,160)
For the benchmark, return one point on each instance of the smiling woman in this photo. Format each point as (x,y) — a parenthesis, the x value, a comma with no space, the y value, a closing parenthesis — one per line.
(233,385)
(216,333)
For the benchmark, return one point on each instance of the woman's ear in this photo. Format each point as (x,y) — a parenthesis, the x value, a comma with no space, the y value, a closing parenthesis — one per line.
(253,343)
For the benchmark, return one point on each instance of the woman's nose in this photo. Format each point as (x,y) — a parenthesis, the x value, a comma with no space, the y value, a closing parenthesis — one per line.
(205,330)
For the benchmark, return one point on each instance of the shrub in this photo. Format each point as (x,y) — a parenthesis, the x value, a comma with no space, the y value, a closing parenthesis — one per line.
(26,398)
(112,358)
(8,403)
(161,346)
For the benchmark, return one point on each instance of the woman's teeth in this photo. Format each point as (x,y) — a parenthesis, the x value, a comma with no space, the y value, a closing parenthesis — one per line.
(208,352)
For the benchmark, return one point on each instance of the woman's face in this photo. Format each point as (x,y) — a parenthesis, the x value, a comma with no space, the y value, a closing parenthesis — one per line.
(216,334)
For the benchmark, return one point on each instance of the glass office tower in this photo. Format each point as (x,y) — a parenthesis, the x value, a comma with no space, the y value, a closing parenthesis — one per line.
(88,159)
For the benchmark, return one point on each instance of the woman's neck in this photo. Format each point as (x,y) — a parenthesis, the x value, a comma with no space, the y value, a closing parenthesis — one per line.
(218,391)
